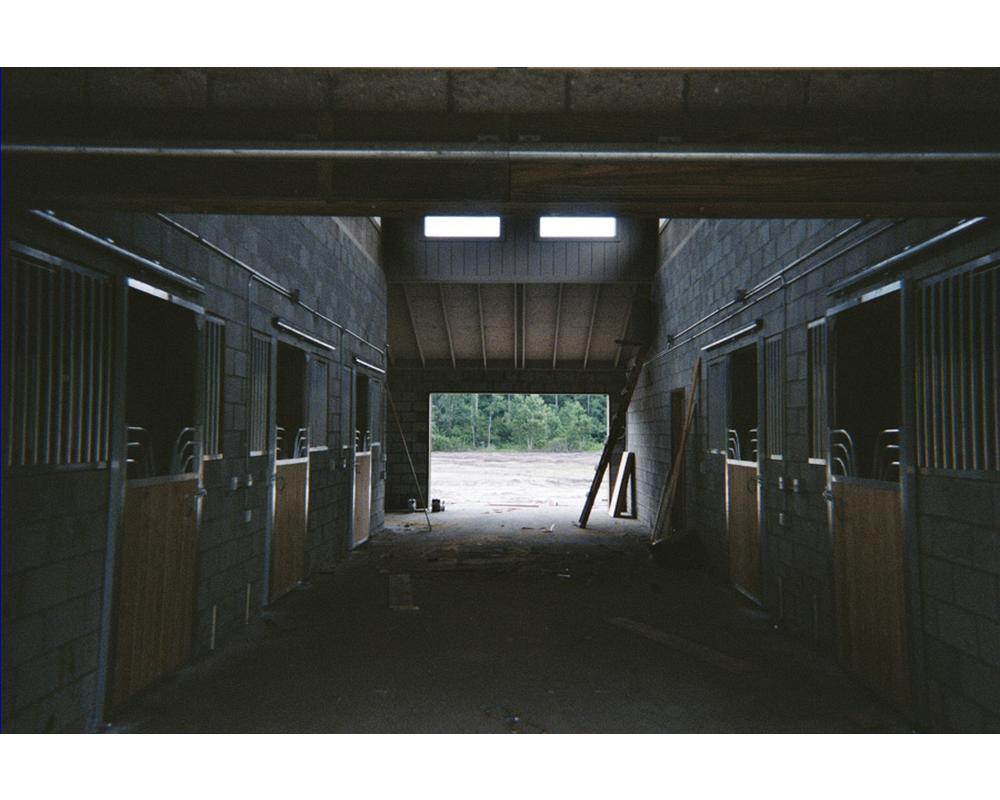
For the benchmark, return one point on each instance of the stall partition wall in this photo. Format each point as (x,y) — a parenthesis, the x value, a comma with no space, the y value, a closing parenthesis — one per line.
(156,573)
(865,499)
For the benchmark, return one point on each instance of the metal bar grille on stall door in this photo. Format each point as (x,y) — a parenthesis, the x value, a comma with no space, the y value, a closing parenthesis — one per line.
(958,412)
(57,338)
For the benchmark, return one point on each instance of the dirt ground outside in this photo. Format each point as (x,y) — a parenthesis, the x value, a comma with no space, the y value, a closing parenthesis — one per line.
(543,479)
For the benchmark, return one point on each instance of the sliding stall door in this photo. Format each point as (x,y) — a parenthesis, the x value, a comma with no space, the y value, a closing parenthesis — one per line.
(864,492)
(742,470)
(158,549)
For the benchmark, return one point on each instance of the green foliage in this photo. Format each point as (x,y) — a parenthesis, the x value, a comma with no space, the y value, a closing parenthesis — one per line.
(569,423)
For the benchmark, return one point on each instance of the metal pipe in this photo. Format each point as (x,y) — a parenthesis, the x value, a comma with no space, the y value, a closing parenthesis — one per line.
(261,277)
(734,335)
(904,255)
(284,326)
(512,154)
(784,283)
(805,257)
(368,365)
(189,283)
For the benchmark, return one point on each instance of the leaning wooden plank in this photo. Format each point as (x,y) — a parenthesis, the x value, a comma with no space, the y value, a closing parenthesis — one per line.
(666,507)
(626,477)
(615,432)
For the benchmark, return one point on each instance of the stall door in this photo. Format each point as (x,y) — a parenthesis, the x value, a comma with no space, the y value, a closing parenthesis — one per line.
(742,496)
(288,548)
(868,576)
(864,492)
(291,473)
(744,528)
(158,551)
(156,582)
(362,497)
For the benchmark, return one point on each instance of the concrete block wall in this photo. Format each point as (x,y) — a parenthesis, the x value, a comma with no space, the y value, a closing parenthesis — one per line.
(55,523)
(703,263)
(54,530)
(959,523)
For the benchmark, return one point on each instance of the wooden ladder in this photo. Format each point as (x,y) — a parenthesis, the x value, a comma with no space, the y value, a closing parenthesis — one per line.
(616,430)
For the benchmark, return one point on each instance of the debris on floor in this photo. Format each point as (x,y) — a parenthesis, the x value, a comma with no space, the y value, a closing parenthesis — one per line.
(401,593)
(514,721)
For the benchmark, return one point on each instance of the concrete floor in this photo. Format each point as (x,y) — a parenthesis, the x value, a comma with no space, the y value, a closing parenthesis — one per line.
(494,623)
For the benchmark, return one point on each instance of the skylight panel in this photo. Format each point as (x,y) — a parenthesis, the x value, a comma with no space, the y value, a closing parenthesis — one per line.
(577,227)
(462,227)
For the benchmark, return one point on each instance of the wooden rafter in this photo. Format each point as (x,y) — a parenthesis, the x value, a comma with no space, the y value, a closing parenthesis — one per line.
(590,328)
(447,326)
(524,327)
(628,321)
(413,324)
(482,321)
(515,326)
(555,342)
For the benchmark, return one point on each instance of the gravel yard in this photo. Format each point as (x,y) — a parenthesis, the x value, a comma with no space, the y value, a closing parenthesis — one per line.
(483,477)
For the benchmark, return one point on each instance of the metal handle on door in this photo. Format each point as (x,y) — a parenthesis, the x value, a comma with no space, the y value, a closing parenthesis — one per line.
(195,497)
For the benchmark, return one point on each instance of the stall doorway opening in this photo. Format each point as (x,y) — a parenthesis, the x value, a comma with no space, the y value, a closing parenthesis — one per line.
(516,449)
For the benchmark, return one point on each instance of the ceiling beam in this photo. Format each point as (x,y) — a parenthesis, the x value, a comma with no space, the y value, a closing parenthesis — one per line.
(524,326)
(482,322)
(628,320)
(555,341)
(413,325)
(515,326)
(590,328)
(447,325)
(716,184)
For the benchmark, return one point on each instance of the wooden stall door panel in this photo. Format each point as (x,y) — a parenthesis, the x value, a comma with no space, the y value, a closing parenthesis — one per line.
(156,591)
(288,542)
(362,497)
(744,531)
(868,569)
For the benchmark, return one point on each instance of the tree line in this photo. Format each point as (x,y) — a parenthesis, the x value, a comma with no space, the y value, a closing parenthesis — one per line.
(566,422)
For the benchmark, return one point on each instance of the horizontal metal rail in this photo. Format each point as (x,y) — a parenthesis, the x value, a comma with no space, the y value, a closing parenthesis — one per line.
(154,266)
(262,278)
(884,266)
(442,152)
(783,282)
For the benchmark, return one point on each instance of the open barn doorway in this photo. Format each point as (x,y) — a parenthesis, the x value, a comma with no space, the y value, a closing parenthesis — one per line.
(516,450)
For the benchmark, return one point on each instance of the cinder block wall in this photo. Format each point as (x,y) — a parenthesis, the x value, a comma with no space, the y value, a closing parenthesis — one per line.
(956,589)
(55,524)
